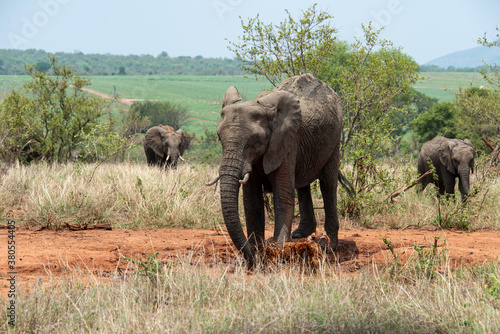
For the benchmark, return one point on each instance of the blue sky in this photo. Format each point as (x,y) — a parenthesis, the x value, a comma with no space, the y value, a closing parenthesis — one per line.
(426,29)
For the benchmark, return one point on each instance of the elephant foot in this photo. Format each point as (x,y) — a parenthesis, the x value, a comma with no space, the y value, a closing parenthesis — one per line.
(303,231)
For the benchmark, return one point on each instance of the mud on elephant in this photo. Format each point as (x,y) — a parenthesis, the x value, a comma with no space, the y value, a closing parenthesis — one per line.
(281,141)
(451,158)
(164,146)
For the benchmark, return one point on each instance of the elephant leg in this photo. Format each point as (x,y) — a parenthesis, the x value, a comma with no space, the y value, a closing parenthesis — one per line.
(441,189)
(253,202)
(307,224)
(283,183)
(328,185)
(449,184)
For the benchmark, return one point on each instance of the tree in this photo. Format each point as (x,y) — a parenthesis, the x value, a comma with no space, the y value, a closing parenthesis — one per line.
(492,73)
(413,103)
(373,76)
(368,75)
(162,112)
(43,66)
(440,120)
(478,110)
(49,115)
(291,48)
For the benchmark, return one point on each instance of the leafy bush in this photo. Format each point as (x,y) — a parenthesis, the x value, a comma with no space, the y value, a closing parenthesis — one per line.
(162,112)
(48,117)
(206,149)
(439,120)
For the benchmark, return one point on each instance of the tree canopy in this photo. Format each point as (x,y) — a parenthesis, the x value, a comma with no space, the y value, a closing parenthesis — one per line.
(50,116)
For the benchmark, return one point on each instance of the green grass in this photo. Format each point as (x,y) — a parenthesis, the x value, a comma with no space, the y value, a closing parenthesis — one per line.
(443,85)
(202,95)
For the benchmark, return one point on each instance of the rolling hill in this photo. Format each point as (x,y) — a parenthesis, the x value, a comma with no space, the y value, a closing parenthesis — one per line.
(468,58)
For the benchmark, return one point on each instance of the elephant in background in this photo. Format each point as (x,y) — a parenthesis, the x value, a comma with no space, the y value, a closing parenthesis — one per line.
(164,146)
(451,158)
(281,141)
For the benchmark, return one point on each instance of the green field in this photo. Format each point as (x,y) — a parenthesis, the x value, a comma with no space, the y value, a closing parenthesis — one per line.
(443,85)
(202,95)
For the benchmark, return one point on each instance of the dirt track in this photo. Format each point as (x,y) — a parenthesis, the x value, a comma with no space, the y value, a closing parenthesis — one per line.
(46,252)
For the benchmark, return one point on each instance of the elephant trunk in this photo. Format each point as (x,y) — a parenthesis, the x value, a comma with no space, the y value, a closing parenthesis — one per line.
(172,158)
(463,175)
(230,175)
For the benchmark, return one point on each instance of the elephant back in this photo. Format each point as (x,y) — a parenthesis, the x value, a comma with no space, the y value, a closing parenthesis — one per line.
(313,94)
(321,125)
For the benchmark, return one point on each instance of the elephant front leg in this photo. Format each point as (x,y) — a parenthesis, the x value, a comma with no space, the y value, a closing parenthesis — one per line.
(283,181)
(254,211)
(307,224)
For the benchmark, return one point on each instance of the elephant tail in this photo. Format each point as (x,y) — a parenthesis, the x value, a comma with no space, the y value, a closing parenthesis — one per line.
(346,185)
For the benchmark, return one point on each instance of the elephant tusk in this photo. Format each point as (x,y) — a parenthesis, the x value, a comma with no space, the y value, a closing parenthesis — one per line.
(168,157)
(180,157)
(214,181)
(245,178)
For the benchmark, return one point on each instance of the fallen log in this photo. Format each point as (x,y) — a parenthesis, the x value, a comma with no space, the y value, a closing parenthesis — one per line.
(399,192)
(73,227)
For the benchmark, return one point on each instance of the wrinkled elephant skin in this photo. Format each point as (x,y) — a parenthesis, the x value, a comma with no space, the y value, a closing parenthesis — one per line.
(281,141)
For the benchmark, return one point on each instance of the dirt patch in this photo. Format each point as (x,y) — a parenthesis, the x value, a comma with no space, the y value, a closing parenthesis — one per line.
(45,253)
(123,100)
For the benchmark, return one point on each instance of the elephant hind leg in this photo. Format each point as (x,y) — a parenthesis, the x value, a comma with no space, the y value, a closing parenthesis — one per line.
(307,224)
(328,185)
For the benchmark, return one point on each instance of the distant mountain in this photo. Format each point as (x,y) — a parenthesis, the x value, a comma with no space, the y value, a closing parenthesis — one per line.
(468,58)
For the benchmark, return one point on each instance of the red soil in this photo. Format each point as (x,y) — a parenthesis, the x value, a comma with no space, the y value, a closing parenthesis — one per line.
(40,254)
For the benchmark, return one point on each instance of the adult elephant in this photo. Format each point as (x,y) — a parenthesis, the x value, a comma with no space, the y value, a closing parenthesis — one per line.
(451,158)
(281,141)
(164,146)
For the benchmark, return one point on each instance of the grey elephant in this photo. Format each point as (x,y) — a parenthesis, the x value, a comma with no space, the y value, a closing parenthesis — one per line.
(451,158)
(164,146)
(281,141)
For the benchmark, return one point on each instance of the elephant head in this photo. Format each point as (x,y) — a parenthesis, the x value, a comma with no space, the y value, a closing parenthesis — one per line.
(257,134)
(165,146)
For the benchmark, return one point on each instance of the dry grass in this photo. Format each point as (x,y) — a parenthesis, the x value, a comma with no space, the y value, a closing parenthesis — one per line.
(187,298)
(123,195)
(137,196)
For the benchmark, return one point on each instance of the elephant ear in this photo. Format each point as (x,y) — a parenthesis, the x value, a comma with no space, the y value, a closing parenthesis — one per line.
(232,96)
(445,153)
(285,127)
(154,140)
(184,141)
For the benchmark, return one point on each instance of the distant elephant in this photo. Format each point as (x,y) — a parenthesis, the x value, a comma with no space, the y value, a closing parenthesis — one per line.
(164,146)
(452,158)
(281,141)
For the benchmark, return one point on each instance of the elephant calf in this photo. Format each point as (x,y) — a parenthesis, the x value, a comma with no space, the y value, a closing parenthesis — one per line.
(164,146)
(451,158)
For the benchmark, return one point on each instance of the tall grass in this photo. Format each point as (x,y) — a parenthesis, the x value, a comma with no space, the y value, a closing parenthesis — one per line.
(123,195)
(133,195)
(284,299)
